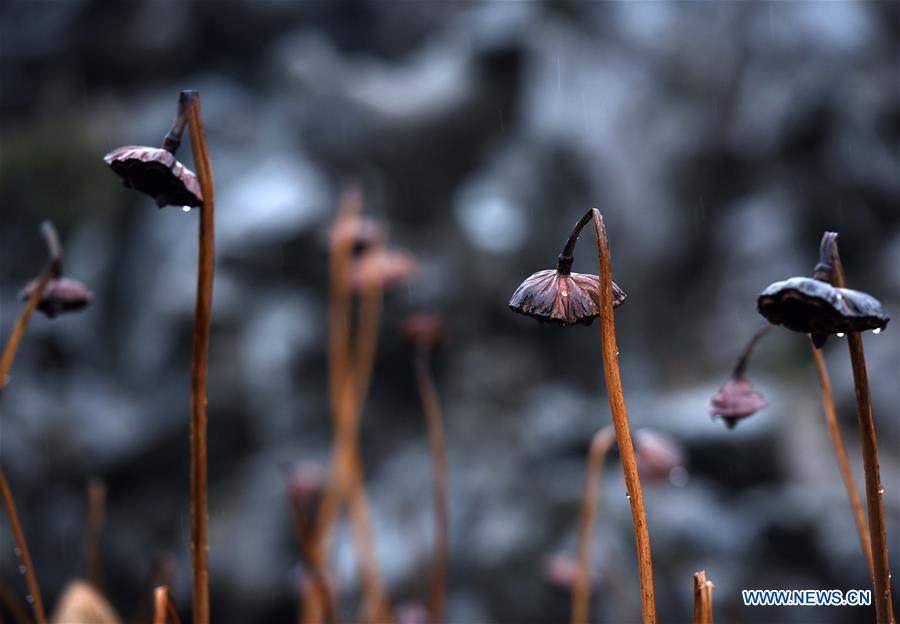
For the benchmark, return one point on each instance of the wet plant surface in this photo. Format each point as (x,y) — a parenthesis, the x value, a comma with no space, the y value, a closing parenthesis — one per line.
(718,140)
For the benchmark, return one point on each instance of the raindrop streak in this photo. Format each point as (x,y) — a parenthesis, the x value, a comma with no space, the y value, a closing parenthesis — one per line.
(21,569)
(29,599)
(17,551)
(877,330)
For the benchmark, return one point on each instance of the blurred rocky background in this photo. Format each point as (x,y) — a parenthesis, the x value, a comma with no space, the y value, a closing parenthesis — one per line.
(719,140)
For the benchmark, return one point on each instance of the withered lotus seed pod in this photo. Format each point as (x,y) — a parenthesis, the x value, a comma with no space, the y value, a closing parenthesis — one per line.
(427,330)
(388,267)
(558,296)
(561,570)
(814,307)
(657,455)
(60,295)
(155,171)
(735,400)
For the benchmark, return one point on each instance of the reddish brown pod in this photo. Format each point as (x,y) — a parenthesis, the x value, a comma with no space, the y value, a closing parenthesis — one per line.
(660,459)
(557,296)
(560,296)
(736,400)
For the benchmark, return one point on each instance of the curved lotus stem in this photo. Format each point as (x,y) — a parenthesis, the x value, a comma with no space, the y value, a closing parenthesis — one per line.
(37,604)
(881,578)
(54,268)
(620,421)
(200,358)
(841,454)
(432,409)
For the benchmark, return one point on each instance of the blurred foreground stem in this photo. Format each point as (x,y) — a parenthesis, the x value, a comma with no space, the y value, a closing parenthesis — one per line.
(37,604)
(432,409)
(581,595)
(841,454)
(703,590)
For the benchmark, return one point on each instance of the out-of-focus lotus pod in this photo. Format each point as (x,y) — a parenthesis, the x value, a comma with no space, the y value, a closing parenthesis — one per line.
(657,455)
(388,267)
(735,400)
(561,570)
(60,295)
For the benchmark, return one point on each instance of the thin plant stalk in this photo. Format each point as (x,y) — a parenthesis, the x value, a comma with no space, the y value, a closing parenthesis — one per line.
(164,611)
(37,604)
(620,420)
(841,454)
(740,367)
(881,578)
(350,369)
(311,602)
(581,594)
(190,102)
(431,407)
(52,271)
(11,606)
(703,591)
(363,359)
(340,257)
(322,600)
(96,517)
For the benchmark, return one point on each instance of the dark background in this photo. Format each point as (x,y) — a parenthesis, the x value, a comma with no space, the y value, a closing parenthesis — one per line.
(718,139)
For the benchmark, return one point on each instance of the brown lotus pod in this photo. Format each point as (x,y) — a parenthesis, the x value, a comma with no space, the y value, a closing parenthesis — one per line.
(389,268)
(60,295)
(554,296)
(155,171)
(81,603)
(814,307)
(428,330)
(735,400)
(657,455)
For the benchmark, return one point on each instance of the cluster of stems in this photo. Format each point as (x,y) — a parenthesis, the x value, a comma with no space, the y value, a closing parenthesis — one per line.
(431,407)
(53,270)
(350,372)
